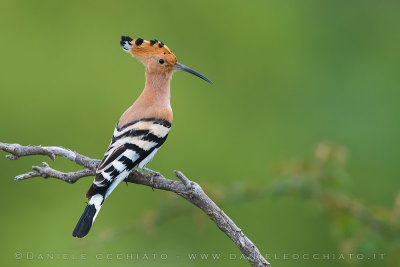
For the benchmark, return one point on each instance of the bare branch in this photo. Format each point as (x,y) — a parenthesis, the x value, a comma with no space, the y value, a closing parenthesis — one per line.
(185,188)
(46,171)
(17,151)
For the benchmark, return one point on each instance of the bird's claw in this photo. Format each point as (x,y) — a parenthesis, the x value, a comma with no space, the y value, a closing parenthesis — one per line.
(152,174)
(152,183)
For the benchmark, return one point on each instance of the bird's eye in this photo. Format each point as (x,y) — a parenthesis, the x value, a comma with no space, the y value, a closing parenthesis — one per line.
(161,61)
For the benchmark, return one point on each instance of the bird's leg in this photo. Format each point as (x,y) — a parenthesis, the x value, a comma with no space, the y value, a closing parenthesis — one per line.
(153,173)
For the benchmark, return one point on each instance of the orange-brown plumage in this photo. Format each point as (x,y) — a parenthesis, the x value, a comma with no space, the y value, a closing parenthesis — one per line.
(154,101)
(147,52)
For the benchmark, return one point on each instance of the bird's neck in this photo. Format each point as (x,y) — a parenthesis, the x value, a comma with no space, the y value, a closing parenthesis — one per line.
(157,89)
(153,102)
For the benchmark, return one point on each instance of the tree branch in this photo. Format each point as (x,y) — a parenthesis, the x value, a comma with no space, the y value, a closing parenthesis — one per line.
(185,188)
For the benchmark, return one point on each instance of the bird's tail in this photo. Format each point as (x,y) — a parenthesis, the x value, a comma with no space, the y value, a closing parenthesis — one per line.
(89,215)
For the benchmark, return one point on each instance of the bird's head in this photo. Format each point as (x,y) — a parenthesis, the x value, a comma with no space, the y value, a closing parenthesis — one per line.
(155,56)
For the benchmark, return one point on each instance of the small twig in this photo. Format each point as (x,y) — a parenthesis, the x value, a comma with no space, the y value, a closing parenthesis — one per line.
(46,171)
(185,188)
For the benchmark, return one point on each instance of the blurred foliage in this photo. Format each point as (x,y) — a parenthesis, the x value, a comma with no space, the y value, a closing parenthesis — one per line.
(324,181)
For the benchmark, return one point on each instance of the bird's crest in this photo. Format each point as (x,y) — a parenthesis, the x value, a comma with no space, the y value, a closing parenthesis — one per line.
(143,49)
(156,56)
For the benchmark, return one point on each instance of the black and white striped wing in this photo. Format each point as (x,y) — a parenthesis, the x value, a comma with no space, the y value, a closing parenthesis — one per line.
(133,144)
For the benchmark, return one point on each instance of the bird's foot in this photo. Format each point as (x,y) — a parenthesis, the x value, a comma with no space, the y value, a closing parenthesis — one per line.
(153,173)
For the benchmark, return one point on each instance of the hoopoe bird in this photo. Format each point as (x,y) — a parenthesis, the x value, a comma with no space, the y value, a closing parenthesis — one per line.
(140,131)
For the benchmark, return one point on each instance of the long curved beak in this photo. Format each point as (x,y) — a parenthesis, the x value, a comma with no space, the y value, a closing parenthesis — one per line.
(179,66)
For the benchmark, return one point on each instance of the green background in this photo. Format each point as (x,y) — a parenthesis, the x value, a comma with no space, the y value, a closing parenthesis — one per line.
(287,75)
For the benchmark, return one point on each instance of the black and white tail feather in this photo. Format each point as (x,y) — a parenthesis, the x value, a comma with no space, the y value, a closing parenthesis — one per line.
(133,144)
